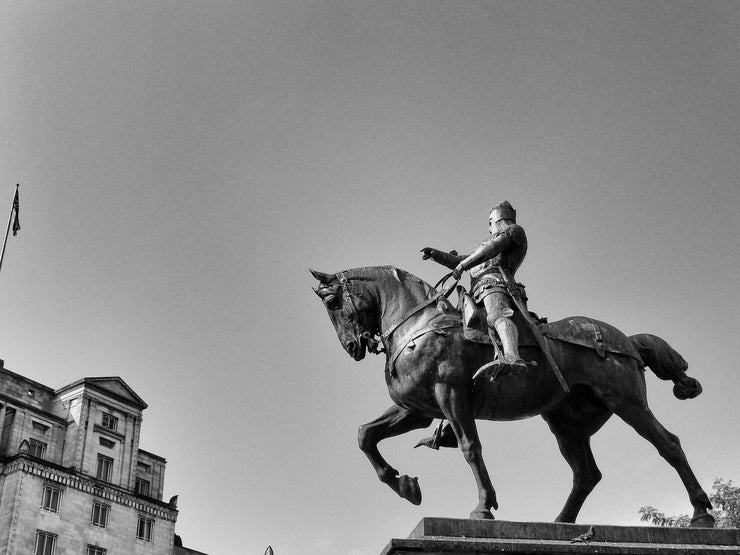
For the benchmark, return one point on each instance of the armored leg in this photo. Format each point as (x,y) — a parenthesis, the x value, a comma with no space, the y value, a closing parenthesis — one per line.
(499,312)
(498,307)
(509,339)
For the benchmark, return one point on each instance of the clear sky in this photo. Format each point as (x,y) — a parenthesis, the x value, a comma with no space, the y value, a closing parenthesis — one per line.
(183,164)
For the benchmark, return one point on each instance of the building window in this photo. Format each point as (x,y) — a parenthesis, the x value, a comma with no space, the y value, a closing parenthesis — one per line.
(105,442)
(100,512)
(46,543)
(110,422)
(144,467)
(51,499)
(96,550)
(145,529)
(37,448)
(142,487)
(105,468)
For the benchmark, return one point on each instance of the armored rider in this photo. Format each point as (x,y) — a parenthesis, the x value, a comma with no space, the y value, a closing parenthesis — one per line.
(504,249)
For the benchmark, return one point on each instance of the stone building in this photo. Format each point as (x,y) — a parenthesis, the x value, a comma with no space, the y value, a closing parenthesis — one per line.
(72,476)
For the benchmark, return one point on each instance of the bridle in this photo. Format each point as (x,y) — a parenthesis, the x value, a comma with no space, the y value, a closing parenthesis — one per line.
(372,343)
(367,335)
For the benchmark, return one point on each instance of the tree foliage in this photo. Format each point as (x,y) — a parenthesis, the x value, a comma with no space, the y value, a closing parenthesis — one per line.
(655,517)
(725,500)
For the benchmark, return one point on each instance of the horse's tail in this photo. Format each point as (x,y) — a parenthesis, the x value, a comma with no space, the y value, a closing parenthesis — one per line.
(666,363)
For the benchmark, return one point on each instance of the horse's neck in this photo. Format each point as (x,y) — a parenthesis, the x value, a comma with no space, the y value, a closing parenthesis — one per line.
(398,298)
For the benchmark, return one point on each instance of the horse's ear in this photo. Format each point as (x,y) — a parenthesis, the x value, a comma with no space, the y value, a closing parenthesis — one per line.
(322,277)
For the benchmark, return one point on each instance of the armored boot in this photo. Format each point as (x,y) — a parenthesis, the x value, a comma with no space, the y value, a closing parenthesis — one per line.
(442,437)
(510,340)
(508,362)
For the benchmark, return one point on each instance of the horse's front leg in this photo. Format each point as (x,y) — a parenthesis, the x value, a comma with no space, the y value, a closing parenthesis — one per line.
(454,400)
(393,422)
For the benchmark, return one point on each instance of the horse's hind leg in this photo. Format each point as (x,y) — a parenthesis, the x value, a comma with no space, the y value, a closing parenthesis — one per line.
(393,422)
(641,418)
(455,404)
(573,433)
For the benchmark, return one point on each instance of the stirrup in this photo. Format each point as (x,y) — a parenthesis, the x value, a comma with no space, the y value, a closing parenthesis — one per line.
(439,439)
(502,366)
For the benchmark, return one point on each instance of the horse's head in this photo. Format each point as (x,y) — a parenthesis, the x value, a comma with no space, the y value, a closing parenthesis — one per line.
(351,310)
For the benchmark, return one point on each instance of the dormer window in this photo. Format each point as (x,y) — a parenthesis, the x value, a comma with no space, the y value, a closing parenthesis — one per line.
(105,468)
(37,448)
(109,422)
(142,487)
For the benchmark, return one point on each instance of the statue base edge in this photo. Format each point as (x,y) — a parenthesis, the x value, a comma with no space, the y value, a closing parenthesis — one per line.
(448,536)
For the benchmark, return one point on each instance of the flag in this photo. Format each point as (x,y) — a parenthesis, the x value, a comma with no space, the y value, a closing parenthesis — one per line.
(16,221)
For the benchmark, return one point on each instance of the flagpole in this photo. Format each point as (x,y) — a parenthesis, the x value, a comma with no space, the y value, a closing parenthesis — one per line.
(7,230)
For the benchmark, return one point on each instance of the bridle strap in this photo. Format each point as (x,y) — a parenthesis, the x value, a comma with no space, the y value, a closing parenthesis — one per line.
(446,292)
(345,286)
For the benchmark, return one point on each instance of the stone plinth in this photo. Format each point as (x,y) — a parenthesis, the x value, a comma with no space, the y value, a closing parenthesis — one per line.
(446,536)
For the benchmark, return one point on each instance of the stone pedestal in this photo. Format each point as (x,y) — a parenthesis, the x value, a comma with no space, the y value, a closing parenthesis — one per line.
(446,536)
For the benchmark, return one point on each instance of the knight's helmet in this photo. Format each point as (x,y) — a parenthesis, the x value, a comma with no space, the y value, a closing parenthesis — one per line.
(504,211)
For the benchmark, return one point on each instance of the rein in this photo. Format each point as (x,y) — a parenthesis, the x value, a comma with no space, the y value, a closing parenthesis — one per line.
(385,337)
(446,292)
(437,328)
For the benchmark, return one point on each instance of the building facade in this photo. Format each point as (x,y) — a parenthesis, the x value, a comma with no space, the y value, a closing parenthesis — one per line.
(73,479)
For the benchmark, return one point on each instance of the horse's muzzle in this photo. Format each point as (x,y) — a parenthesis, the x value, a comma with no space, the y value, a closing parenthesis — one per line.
(356,348)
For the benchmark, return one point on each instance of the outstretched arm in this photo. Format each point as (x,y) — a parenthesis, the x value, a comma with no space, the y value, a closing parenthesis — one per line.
(448,259)
(487,250)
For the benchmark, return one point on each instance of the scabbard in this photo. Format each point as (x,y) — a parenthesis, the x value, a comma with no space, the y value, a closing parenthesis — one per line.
(516,296)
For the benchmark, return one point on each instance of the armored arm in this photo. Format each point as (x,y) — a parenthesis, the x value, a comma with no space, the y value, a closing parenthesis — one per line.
(487,250)
(448,259)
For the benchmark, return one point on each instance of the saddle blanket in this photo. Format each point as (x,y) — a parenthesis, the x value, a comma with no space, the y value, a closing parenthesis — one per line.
(577,330)
(592,334)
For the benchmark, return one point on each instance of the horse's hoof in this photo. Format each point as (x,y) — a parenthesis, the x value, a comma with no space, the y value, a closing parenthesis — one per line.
(409,489)
(481,515)
(703,521)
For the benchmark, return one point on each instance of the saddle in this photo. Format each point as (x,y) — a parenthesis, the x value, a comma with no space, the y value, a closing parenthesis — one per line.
(475,328)
(577,330)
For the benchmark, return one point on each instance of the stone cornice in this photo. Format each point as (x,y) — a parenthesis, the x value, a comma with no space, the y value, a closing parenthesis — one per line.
(29,465)
(152,455)
(15,403)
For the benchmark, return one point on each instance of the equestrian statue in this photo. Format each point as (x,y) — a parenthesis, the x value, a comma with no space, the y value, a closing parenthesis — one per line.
(491,358)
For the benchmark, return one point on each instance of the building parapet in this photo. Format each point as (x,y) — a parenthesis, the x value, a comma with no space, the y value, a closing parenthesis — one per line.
(30,465)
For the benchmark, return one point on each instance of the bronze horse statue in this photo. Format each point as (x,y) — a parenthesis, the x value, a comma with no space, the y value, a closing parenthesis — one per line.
(430,368)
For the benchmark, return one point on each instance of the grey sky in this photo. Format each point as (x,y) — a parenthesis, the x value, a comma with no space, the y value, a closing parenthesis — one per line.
(183,164)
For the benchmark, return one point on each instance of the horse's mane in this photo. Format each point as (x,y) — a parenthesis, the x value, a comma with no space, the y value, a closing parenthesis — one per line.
(402,276)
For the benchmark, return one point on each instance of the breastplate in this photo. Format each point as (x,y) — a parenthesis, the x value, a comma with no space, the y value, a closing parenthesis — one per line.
(511,258)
